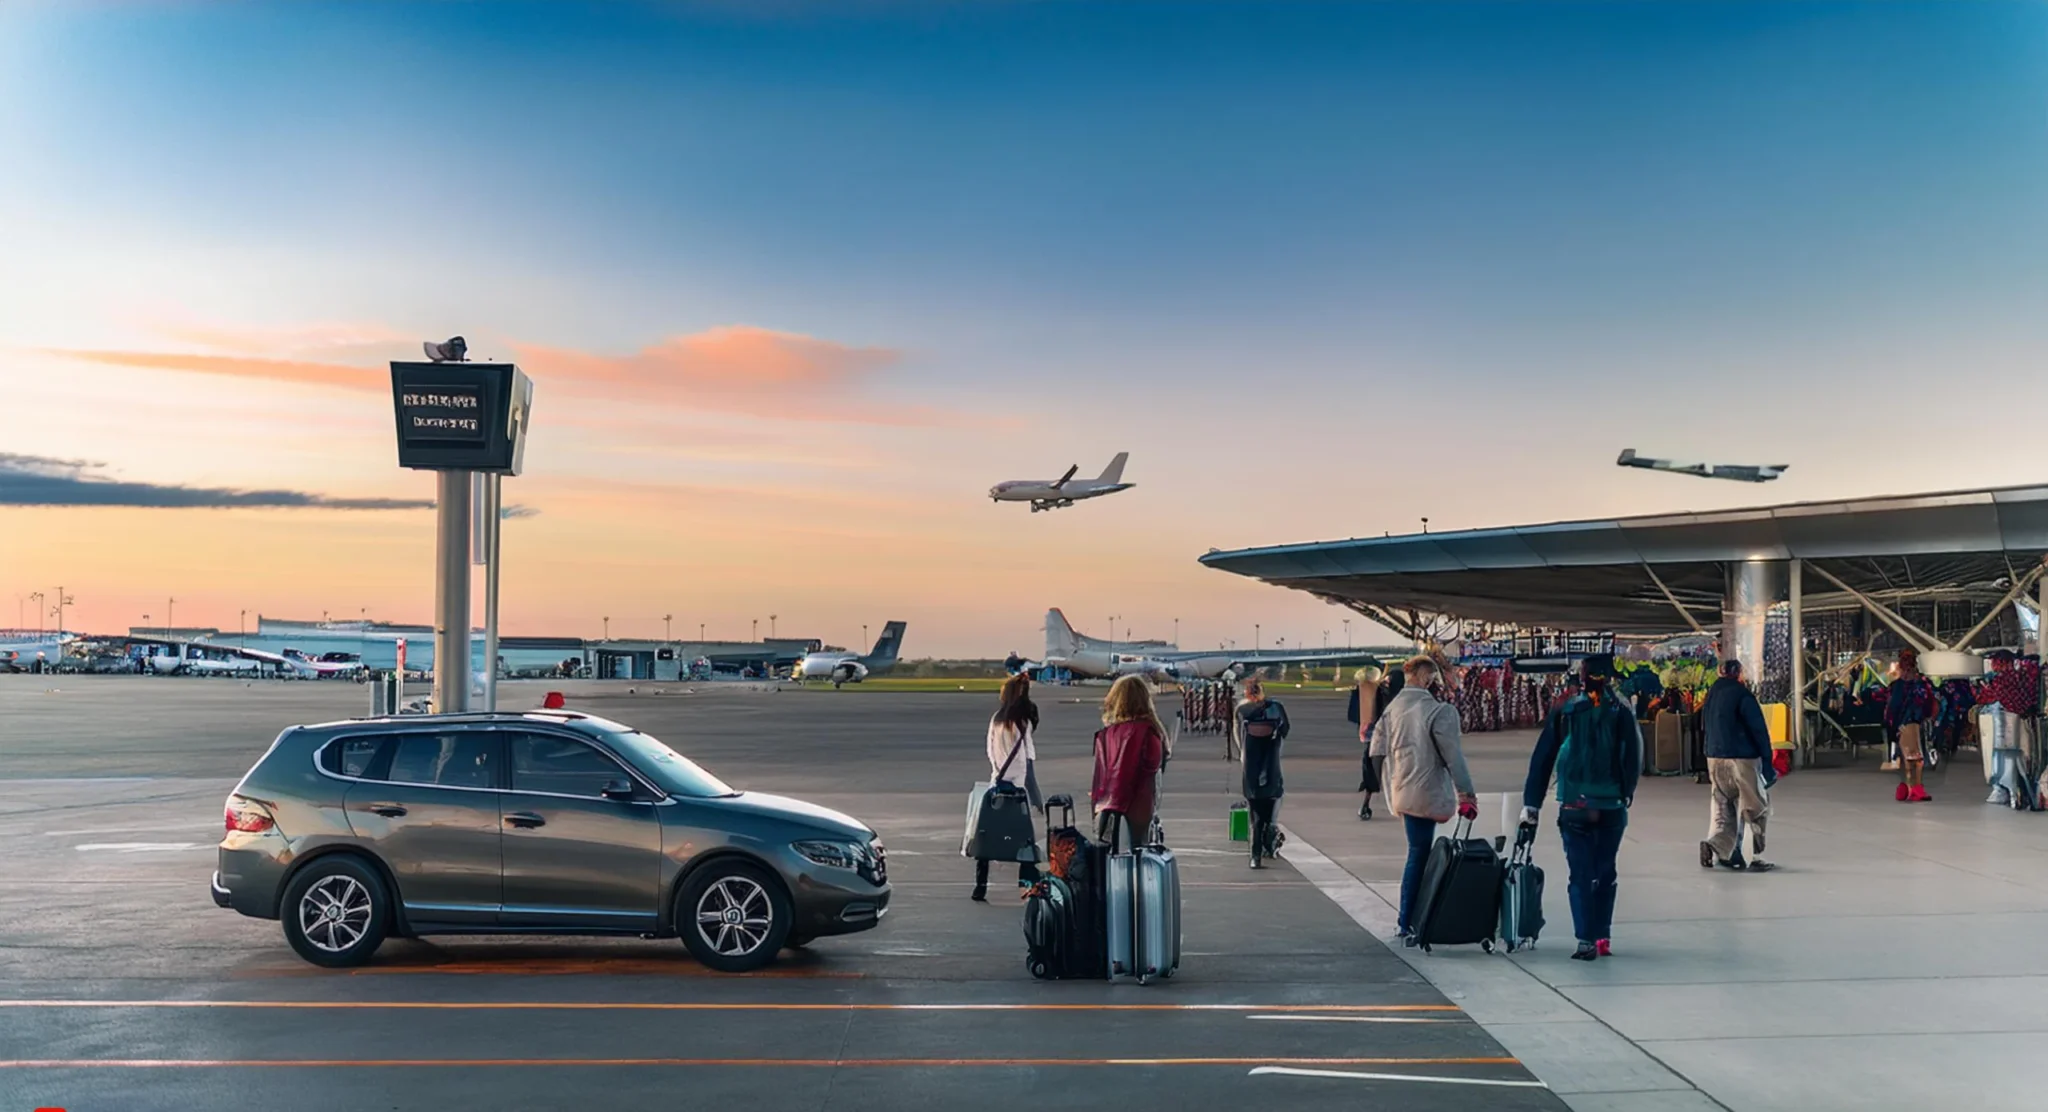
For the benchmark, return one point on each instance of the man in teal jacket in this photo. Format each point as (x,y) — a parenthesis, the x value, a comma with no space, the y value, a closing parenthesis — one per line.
(1593,745)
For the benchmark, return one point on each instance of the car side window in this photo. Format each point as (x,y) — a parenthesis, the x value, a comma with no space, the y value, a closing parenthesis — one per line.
(561,766)
(458,759)
(356,756)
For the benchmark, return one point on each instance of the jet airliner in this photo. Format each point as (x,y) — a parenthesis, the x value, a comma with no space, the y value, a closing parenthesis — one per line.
(1065,490)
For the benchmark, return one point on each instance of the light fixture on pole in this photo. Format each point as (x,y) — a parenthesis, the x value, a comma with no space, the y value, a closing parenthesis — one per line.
(242,628)
(1176,633)
(1347,633)
(756,635)
(170,618)
(771,627)
(38,596)
(607,627)
(700,631)
(1255,637)
(63,600)
(668,632)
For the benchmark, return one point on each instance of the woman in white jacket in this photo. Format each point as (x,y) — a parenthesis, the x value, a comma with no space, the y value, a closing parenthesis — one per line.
(1012,756)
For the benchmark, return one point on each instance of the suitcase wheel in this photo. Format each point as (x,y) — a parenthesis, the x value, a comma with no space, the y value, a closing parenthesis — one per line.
(1486,944)
(1038,968)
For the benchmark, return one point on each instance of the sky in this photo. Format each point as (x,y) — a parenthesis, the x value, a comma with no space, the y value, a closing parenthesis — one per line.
(798,282)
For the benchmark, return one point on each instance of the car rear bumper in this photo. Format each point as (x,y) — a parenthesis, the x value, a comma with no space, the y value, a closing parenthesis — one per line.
(221,896)
(248,881)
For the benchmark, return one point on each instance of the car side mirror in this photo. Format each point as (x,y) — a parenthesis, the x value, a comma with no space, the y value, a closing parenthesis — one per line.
(620,789)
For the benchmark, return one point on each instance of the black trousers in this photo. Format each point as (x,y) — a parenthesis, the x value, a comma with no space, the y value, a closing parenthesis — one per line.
(1262,822)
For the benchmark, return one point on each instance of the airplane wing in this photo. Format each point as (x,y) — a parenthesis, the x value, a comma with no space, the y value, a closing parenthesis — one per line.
(1063,479)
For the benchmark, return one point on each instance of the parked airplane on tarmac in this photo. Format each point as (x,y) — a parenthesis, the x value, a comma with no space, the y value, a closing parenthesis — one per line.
(1739,472)
(1065,490)
(847,667)
(1095,658)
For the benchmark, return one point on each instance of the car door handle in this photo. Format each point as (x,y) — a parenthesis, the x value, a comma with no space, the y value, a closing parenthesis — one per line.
(524,820)
(388,810)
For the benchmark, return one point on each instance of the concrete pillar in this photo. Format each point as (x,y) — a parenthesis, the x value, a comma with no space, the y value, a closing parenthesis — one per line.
(1753,588)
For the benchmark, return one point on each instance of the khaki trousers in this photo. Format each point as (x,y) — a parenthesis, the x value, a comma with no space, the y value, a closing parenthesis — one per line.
(1738,798)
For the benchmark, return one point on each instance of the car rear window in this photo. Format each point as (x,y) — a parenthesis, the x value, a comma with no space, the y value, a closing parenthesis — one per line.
(356,756)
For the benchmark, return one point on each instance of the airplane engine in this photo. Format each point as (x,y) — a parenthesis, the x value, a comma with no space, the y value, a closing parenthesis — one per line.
(849,671)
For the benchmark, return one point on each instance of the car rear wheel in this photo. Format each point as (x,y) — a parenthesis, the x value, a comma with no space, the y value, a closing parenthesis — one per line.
(733,916)
(336,912)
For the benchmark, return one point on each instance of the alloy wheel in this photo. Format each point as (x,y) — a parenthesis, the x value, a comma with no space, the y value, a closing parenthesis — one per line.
(734,916)
(334,914)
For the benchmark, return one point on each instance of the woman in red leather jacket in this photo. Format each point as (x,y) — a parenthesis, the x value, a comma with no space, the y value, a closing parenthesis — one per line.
(1129,751)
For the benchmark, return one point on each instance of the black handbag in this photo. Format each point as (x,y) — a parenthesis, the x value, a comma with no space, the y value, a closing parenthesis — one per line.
(999,829)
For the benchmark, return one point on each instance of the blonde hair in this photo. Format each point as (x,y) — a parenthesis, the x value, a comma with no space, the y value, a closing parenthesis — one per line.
(1418,663)
(1254,690)
(1130,700)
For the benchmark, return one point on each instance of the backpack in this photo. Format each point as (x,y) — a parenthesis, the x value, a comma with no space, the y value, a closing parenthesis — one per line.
(1264,726)
(1589,761)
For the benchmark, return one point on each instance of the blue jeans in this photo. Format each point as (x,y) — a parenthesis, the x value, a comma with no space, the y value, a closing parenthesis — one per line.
(1591,840)
(1421,835)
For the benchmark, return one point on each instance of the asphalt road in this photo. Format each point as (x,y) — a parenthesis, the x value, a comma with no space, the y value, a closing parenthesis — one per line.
(123,987)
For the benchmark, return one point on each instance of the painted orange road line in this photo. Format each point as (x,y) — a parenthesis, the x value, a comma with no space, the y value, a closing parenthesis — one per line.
(838,1063)
(668,1006)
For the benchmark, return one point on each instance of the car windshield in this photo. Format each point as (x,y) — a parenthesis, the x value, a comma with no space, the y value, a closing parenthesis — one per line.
(669,769)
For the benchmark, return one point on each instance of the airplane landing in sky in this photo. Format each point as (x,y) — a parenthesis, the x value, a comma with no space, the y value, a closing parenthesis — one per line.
(1741,473)
(1065,490)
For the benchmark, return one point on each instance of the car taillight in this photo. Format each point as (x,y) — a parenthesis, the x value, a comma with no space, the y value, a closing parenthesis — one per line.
(248,816)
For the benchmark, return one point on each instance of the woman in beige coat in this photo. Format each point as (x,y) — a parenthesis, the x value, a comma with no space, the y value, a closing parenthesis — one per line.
(1423,773)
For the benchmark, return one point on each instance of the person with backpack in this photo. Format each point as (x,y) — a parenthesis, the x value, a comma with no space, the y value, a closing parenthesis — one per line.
(1593,745)
(1130,749)
(1263,723)
(1423,772)
(1012,757)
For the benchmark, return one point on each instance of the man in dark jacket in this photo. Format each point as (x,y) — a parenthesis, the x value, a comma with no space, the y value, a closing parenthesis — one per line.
(1592,743)
(1739,766)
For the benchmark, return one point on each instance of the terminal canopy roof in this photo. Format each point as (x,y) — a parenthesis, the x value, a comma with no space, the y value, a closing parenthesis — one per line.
(1604,574)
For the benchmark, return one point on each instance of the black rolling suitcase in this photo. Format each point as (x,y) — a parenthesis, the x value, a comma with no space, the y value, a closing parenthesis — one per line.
(1458,903)
(1064,913)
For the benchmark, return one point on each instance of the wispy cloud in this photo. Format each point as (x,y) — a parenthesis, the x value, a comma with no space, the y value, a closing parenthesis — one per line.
(733,369)
(44,481)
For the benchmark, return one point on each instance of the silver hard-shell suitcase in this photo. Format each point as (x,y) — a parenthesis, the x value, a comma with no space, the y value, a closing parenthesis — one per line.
(1142,892)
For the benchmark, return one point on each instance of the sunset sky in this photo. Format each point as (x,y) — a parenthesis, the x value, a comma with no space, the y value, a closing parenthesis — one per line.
(798,282)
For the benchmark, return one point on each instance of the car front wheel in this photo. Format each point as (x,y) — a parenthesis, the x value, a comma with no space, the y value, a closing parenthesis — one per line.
(335,912)
(734,917)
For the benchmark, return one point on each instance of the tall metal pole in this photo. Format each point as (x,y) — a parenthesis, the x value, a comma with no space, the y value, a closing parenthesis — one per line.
(495,493)
(451,594)
(1795,722)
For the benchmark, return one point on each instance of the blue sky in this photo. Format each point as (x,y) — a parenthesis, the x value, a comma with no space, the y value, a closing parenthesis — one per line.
(1281,252)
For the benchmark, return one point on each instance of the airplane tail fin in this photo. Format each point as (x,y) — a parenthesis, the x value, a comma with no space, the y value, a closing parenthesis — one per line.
(887,645)
(1060,639)
(1114,473)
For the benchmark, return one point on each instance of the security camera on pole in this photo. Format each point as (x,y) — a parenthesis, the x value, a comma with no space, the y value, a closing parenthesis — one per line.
(461,419)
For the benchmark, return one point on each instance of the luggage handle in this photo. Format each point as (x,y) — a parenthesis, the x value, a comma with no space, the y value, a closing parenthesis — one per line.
(1065,803)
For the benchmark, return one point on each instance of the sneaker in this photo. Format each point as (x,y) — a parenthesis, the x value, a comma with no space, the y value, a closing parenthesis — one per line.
(1888,766)
(1365,812)
(980,895)
(1409,941)
(1587,951)
(1760,866)
(1604,948)
(1901,794)
(1999,797)
(1919,795)
(1707,857)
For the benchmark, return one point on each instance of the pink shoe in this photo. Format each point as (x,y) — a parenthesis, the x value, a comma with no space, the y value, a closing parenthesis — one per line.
(1604,948)
(1919,795)
(1901,794)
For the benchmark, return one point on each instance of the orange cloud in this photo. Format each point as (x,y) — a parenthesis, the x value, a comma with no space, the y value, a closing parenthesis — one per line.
(733,369)
(237,366)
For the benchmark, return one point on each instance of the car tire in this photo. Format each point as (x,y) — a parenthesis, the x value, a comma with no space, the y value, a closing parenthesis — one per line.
(733,916)
(336,912)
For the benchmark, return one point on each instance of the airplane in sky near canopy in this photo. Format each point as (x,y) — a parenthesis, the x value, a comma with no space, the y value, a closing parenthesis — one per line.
(1739,472)
(1065,490)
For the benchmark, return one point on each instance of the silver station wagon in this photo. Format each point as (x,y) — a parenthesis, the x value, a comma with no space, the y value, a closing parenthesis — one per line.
(537,823)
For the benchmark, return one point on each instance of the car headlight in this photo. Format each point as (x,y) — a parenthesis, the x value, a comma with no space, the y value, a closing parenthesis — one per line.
(838,855)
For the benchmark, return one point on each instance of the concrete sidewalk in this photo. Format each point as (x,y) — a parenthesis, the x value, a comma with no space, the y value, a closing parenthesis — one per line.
(1895,960)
